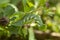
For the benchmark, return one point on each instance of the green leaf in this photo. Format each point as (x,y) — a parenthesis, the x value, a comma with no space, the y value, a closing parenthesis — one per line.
(1,12)
(43,28)
(24,31)
(13,29)
(36,3)
(15,2)
(27,18)
(58,9)
(38,20)
(28,6)
(31,34)
(10,10)
(24,4)
(55,28)
(16,16)
(42,2)
(4,1)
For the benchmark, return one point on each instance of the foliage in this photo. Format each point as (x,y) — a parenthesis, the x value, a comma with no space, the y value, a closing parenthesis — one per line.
(24,16)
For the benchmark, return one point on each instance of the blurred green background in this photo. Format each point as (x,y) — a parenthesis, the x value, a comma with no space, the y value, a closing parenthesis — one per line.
(24,19)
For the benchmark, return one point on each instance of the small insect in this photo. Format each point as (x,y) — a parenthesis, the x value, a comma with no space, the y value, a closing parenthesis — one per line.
(4,21)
